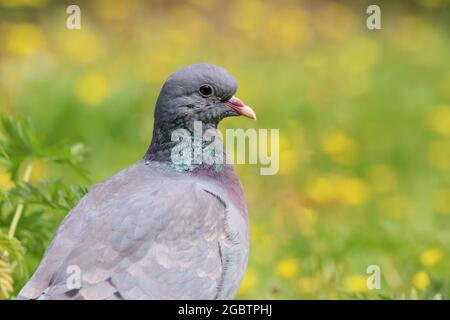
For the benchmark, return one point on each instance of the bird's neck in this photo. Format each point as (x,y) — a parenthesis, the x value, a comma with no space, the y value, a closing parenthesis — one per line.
(189,147)
(220,171)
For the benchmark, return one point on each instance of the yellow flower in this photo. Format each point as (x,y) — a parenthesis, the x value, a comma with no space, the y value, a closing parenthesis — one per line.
(431,257)
(340,148)
(439,155)
(322,190)
(92,88)
(25,39)
(39,170)
(439,120)
(287,268)
(421,280)
(356,284)
(5,179)
(382,178)
(441,201)
(248,282)
(352,191)
(335,188)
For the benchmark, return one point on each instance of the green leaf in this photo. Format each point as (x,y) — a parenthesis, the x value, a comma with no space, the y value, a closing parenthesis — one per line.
(19,142)
(55,194)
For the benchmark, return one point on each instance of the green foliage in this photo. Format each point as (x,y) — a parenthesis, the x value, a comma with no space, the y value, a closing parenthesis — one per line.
(30,211)
(54,195)
(19,142)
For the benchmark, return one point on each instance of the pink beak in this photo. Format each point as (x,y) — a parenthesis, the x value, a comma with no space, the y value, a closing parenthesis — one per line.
(241,108)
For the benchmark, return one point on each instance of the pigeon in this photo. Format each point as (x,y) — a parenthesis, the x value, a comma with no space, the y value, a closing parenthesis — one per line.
(158,229)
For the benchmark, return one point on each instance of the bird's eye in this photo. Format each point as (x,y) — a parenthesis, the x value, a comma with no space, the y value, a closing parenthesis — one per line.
(206,90)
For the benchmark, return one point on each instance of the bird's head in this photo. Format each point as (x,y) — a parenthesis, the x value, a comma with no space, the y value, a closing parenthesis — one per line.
(199,92)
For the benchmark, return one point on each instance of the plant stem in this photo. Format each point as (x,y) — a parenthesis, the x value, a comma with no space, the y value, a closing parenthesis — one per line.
(20,206)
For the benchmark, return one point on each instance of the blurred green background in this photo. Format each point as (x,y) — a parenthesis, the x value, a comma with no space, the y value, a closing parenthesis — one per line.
(364,119)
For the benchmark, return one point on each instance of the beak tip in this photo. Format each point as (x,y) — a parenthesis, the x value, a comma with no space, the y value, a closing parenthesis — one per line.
(241,108)
(249,113)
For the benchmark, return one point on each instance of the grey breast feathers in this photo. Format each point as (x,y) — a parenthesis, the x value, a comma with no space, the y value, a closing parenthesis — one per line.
(141,236)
